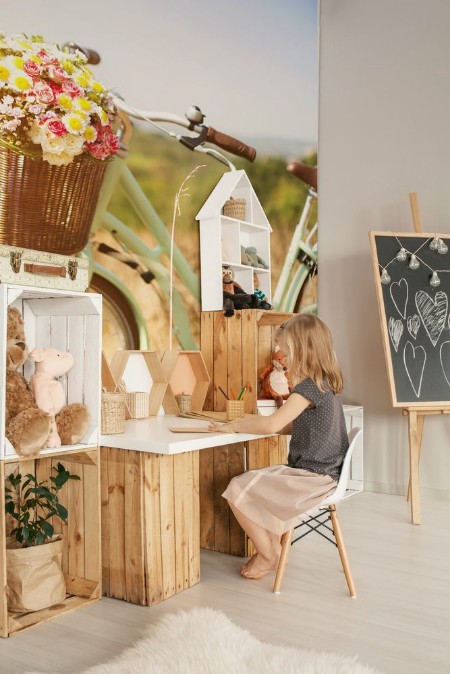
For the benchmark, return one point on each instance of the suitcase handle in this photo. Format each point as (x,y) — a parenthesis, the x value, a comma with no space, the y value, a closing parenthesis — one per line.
(44,270)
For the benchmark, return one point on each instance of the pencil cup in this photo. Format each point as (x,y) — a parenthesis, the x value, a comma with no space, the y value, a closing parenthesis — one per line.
(235,409)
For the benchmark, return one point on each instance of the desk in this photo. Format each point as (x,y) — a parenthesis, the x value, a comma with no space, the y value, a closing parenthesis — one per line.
(151,509)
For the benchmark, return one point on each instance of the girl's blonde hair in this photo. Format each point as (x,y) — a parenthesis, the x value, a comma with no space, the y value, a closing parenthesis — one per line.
(309,345)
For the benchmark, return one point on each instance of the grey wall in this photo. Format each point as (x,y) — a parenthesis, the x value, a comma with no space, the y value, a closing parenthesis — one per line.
(384,131)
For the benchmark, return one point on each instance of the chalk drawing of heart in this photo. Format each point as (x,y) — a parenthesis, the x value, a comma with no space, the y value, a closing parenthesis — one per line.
(399,295)
(414,359)
(444,354)
(395,331)
(432,312)
(413,324)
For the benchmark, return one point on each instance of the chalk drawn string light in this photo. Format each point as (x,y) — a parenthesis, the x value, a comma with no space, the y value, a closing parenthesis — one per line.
(414,262)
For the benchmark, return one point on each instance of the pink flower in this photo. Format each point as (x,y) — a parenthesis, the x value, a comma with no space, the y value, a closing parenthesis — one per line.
(111,141)
(31,68)
(57,73)
(56,88)
(71,88)
(46,58)
(56,127)
(44,93)
(97,150)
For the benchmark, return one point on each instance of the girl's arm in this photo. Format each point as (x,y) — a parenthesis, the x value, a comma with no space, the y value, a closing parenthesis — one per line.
(266,425)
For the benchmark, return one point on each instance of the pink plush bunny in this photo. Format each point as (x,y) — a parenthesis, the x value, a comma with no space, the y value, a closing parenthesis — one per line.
(69,422)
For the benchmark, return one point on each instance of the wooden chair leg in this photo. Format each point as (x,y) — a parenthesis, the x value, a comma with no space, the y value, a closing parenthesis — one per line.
(342,551)
(285,545)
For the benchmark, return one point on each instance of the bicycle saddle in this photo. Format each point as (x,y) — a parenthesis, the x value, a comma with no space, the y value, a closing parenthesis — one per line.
(304,172)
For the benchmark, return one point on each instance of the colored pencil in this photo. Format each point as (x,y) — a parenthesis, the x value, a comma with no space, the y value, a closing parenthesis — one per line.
(233,394)
(241,394)
(223,392)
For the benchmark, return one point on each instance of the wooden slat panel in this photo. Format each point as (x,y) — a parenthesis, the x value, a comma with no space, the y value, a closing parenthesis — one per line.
(234,349)
(206,486)
(4,626)
(152,530)
(207,349)
(236,463)
(75,529)
(18,623)
(134,535)
(92,537)
(220,360)
(116,524)
(167,524)
(194,560)
(182,469)
(252,454)
(104,485)
(249,359)
(221,509)
(82,587)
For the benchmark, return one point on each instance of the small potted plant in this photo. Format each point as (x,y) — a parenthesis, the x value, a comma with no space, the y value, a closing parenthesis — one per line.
(34,555)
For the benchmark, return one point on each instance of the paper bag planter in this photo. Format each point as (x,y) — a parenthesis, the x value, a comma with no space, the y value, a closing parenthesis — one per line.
(141,371)
(186,373)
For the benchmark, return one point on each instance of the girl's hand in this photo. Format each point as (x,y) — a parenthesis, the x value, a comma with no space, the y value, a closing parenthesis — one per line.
(221,428)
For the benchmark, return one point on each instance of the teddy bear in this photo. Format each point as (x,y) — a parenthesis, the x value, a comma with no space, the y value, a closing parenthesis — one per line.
(234,296)
(255,259)
(69,423)
(274,379)
(26,426)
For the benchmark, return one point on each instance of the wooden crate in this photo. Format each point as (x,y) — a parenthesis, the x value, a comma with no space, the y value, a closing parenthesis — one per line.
(150,524)
(69,321)
(235,351)
(81,535)
(139,371)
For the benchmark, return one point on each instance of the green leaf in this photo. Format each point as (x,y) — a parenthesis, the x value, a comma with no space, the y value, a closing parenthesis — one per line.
(48,529)
(62,512)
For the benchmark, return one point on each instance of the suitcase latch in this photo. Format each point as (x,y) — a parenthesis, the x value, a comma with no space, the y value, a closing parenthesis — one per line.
(15,260)
(72,268)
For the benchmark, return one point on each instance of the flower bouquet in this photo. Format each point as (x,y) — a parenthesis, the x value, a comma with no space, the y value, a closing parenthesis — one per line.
(56,131)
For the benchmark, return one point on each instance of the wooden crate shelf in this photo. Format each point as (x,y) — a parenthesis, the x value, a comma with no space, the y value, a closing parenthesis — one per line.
(186,372)
(81,535)
(140,371)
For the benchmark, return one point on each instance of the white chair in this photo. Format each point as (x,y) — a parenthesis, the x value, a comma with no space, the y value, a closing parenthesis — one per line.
(318,518)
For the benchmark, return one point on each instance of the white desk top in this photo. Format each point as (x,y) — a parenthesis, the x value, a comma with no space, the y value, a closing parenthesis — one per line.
(152,435)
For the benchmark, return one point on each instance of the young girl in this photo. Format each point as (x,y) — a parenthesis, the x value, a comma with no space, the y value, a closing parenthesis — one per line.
(267,501)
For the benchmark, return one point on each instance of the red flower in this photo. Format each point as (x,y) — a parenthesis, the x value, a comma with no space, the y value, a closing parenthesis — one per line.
(57,73)
(31,68)
(56,127)
(46,58)
(71,88)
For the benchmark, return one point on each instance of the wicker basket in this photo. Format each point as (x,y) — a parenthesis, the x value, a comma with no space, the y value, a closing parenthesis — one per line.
(46,207)
(184,402)
(113,413)
(138,403)
(235,208)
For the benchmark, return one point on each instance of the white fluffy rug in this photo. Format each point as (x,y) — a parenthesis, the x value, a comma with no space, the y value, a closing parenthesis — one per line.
(205,641)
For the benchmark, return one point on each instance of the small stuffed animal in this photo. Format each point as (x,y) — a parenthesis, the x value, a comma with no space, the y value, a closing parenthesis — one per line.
(255,259)
(69,422)
(274,378)
(245,257)
(26,426)
(234,296)
(259,294)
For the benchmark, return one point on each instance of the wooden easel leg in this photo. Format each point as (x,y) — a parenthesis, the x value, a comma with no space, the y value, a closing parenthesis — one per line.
(414,449)
(420,423)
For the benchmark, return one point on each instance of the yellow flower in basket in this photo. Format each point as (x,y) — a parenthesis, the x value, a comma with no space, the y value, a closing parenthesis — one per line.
(50,104)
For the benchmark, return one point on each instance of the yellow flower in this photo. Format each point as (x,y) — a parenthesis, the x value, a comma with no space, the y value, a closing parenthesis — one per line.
(74,123)
(4,73)
(83,103)
(65,102)
(90,134)
(97,87)
(36,59)
(68,66)
(103,117)
(18,62)
(82,80)
(21,83)
(24,45)
(81,114)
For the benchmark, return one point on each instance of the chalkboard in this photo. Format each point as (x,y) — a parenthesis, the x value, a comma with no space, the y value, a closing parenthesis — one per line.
(414,314)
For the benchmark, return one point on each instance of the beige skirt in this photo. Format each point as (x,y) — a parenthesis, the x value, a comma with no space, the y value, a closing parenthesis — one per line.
(274,497)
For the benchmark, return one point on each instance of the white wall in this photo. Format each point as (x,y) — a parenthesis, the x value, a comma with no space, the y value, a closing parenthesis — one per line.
(384,131)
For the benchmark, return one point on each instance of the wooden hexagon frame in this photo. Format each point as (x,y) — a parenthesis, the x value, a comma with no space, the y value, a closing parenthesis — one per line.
(174,364)
(159,380)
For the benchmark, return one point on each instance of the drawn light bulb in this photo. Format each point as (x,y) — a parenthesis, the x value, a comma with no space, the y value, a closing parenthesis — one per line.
(385,278)
(401,255)
(435,280)
(434,243)
(414,262)
(442,248)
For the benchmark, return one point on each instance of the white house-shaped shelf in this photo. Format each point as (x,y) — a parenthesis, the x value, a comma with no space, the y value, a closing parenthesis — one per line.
(222,240)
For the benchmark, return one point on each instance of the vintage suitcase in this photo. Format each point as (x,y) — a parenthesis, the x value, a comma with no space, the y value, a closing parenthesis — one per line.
(24,267)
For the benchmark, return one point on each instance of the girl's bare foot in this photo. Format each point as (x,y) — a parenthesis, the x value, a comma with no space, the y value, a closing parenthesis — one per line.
(248,563)
(260,567)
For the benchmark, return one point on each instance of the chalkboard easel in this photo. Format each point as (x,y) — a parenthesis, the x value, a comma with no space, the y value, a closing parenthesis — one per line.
(415,322)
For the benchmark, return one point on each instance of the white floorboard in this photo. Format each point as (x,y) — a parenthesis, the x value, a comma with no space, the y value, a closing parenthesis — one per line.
(400,622)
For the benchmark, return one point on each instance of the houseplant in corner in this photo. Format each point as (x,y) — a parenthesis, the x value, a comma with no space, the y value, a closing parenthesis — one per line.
(56,136)
(33,557)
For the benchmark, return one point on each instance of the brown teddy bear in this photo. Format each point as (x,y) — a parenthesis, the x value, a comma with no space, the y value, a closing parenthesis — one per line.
(26,426)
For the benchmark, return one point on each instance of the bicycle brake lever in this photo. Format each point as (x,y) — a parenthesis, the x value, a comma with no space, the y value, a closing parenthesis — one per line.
(191,142)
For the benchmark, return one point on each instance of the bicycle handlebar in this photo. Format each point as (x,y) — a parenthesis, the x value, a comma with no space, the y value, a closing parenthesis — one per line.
(230,144)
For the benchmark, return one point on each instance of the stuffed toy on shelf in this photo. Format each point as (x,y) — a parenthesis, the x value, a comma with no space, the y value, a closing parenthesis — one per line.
(259,294)
(255,259)
(26,426)
(234,296)
(274,379)
(69,423)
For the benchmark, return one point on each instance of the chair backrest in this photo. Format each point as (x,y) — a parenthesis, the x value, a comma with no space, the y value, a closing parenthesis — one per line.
(341,488)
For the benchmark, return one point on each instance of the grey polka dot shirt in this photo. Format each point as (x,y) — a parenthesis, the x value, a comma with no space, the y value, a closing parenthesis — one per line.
(319,437)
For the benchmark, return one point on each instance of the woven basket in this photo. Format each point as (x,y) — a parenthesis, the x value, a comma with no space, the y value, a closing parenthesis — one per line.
(138,404)
(235,208)
(113,413)
(46,207)
(184,402)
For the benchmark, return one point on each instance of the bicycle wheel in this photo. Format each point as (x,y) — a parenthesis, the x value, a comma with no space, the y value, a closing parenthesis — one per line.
(119,326)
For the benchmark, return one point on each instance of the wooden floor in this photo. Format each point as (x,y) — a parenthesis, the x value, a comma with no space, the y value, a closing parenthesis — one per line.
(400,622)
